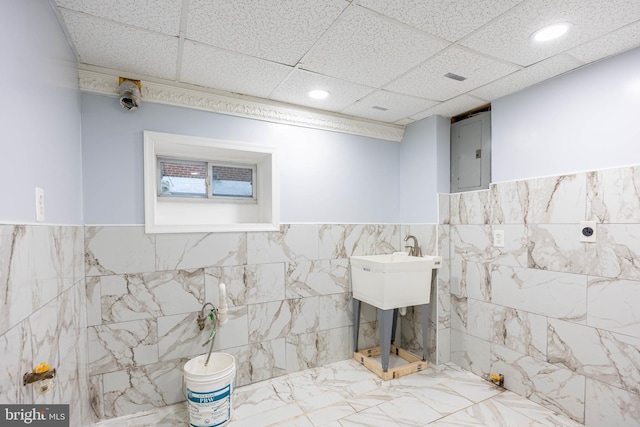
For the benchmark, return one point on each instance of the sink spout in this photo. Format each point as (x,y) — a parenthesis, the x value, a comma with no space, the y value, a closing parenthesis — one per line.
(414,250)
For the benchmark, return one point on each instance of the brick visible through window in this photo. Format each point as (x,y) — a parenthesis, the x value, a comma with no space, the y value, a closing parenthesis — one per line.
(183,170)
(224,173)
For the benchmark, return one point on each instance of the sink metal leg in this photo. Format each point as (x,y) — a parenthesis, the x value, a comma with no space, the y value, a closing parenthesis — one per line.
(356,322)
(424,314)
(385,325)
(395,325)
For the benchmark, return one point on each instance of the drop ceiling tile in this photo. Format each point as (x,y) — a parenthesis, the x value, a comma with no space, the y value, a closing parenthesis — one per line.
(610,44)
(452,107)
(281,31)
(208,66)
(163,17)
(527,77)
(387,106)
(367,42)
(507,37)
(366,48)
(295,88)
(429,81)
(448,19)
(122,47)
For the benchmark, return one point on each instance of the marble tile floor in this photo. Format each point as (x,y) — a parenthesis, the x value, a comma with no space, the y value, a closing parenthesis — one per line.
(346,394)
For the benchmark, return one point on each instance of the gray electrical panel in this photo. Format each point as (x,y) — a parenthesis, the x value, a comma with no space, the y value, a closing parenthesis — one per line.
(471,153)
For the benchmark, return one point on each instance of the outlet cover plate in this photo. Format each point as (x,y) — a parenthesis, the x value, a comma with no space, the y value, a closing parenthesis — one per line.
(588,231)
(498,238)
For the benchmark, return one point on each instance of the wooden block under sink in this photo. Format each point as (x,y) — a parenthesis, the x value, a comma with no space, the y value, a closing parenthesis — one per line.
(364,357)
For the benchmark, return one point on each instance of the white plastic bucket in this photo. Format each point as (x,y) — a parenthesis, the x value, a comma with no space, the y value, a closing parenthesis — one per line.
(209,389)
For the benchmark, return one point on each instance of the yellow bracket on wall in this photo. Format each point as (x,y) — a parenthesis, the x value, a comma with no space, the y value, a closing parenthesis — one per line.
(135,82)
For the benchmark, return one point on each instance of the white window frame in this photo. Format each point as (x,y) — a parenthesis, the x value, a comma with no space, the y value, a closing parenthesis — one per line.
(221,213)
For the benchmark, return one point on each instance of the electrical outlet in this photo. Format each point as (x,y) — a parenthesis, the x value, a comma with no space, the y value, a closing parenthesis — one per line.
(588,231)
(498,238)
(39,204)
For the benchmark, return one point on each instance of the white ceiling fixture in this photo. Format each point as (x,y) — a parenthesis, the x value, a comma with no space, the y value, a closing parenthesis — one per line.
(318,94)
(551,32)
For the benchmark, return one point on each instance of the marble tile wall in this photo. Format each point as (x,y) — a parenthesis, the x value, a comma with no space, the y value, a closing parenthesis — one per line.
(558,317)
(444,279)
(289,304)
(43,315)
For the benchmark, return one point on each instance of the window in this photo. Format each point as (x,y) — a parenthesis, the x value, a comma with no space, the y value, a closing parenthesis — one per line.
(182,178)
(202,185)
(185,178)
(233,181)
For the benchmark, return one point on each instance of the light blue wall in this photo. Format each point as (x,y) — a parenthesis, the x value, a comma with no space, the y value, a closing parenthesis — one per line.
(325,176)
(424,169)
(583,120)
(39,116)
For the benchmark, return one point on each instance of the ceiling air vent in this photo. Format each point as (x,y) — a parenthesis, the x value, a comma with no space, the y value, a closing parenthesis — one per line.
(455,77)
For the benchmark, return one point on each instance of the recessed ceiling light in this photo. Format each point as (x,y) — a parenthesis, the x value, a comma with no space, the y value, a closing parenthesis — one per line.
(318,94)
(550,32)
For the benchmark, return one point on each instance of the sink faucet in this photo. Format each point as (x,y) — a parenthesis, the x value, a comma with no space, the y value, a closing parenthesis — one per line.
(414,250)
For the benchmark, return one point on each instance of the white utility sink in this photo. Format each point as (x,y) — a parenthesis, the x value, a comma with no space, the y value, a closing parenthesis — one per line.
(393,280)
